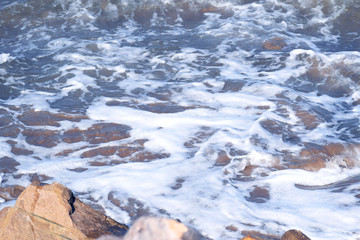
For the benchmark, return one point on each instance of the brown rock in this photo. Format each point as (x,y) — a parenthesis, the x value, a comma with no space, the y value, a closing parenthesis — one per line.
(11,192)
(52,212)
(126,151)
(274,44)
(10,131)
(8,165)
(106,132)
(41,118)
(73,136)
(222,159)
(255,235)
(294,235)
(133,207)
(310,120)
(149,228)
(20,151)
(259,195)
(231,228)
(41,137)
(148,156)
(103,151)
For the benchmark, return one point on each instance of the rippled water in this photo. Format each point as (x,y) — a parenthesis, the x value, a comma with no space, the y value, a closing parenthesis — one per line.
(231,115)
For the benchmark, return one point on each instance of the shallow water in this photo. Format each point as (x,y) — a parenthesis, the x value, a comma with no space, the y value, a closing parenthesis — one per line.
(230,115)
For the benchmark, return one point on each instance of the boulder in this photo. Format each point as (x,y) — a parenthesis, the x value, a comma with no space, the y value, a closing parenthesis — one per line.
(294,235)
(149,228)
(52,212)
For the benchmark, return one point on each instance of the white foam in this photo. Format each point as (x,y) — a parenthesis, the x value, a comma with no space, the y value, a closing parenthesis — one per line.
(4,57)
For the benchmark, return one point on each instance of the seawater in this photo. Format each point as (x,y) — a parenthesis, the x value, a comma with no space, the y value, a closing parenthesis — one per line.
(221,131)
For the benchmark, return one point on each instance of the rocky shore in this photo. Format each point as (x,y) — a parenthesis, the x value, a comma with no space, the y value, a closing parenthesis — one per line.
(53,212)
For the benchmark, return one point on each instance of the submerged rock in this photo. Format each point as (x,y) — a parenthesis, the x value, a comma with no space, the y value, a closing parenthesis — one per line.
(52,212)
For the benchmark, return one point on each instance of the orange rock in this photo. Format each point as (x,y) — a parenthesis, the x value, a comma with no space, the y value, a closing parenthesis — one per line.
(52,212)
(274,44)
(255,235)
(294,235)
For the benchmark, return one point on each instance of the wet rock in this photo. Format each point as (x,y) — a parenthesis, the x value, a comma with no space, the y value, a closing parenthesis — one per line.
(41,118)
(149,228)
(8,165)
(294,235)
(20,151)
(71,103)
(126,151)
(5,120)
(103,151)
(178,184)
(222,159)
(41,137)
(259,195)
(233,86)
(255,235)
(52,212)
(231,228)
(39,179)
(314,157)
(163,108)
(133,207)
(147,156)
(274,44)
(106,132)
(8,92)
(73,136)
(11,192)
(11,131)
(310,120)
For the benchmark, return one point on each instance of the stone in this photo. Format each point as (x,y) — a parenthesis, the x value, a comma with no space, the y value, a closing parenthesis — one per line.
(11,192)
(73,136)
(231,228)
(222,159)
(52,212)
(274,44)
(41,137)
(44,118)
(294,235)
(20,151)
(255,235)
(11,131)
(8,165)
(149,228)
(259,195)
(146,156)
(106,132)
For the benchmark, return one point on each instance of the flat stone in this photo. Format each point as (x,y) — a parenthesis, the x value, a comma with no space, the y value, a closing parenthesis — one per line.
(41,137)
(11,131)
(20,151)
(8,165)
(147,156)
(44,118)
(107,132)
